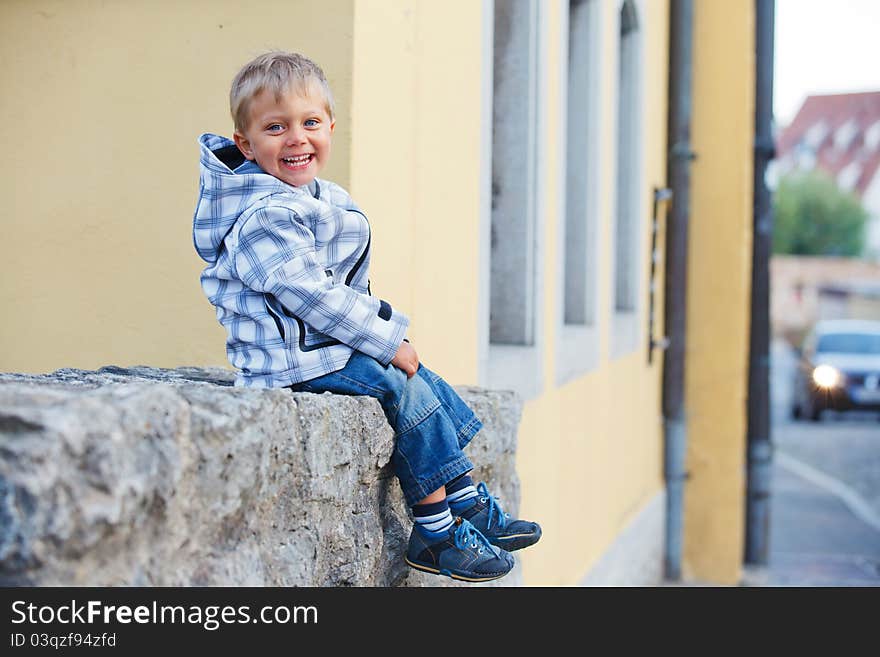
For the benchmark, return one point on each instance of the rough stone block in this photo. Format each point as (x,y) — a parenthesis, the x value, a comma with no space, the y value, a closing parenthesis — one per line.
(156,477)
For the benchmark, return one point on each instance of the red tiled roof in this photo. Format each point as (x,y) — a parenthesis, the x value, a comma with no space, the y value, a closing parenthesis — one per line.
(863,109)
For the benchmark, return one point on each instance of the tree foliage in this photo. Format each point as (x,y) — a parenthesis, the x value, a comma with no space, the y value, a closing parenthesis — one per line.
(812,216)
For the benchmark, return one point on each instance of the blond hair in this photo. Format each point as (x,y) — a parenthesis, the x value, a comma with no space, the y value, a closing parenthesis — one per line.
(278,72)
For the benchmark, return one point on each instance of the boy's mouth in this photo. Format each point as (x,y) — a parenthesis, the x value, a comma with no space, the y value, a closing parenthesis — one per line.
(298,161)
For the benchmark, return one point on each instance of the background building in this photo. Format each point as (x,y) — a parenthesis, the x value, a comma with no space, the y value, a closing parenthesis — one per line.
(840,135)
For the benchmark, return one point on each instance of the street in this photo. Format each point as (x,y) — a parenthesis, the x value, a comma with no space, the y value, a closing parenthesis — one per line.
(825,501)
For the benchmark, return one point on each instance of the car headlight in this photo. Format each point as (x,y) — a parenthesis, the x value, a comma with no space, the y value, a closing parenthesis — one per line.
(826,376)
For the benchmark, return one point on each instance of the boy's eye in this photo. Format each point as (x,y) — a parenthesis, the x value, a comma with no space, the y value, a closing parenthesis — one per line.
(311,123)
(275,127)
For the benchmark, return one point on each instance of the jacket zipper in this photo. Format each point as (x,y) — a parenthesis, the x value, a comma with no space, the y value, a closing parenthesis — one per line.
(348,279)
(270,298)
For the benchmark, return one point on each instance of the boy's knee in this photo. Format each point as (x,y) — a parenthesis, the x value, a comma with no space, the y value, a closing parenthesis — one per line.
(417,394)
(396,381)
(399,390)
(425,373)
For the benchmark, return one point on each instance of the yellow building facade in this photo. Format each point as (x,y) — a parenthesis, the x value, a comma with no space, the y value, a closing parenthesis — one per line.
(506,154)
(719,288)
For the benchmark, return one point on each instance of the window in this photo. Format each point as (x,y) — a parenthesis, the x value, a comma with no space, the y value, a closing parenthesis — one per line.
(577,336)
(849,176)
(872,137)
(580,221)
(806,158)
(627,232)
(816,134)
(513,176)
(514,236)
(849,343)
(845,134)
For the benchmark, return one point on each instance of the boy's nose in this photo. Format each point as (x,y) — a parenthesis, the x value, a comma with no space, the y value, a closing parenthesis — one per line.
(296,136)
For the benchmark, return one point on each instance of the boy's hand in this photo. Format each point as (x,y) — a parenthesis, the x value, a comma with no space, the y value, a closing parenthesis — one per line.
(406,359)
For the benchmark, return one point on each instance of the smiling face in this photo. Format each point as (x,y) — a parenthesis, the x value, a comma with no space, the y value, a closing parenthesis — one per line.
(290,137)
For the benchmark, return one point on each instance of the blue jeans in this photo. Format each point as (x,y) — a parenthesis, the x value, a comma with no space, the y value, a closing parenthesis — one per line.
(431,423)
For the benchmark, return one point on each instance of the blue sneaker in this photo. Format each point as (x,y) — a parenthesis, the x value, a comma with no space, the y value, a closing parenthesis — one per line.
(460,553)
(490,520)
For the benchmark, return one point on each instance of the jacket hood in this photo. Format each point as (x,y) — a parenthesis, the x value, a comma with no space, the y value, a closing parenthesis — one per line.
(223,194)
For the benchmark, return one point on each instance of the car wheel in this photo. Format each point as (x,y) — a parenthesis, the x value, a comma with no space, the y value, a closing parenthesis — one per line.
(796,411)
(813,411)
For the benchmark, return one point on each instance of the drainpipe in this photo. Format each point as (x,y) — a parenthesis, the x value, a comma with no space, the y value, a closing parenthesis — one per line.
(678,174)
(760,447)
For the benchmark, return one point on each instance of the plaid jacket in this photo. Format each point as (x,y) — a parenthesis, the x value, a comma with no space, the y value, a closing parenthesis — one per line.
(287,271)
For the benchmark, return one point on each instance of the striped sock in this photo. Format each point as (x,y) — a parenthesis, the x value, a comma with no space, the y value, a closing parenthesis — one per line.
(461,493)
(432,518)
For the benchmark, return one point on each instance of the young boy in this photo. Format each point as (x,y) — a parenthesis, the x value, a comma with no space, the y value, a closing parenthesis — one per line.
(288,256)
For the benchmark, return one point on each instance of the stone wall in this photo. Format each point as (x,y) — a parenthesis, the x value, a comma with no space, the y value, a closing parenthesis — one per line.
(150,477)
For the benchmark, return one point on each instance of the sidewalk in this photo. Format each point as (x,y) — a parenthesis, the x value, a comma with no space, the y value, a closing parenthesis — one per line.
(825,496)
(819,536)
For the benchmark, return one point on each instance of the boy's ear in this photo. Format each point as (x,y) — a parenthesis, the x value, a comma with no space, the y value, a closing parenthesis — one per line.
(243,145)
(332,125)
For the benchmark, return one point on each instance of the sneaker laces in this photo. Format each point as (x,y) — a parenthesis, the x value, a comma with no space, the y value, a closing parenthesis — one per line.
(469,536)
(495,509)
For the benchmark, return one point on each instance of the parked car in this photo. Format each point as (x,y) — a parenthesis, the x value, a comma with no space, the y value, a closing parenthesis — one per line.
(839,368)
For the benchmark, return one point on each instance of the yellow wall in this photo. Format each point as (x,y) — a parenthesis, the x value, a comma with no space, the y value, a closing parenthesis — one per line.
(719,281)
(416,168)
(99,114)
(115,278)
(590,452)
